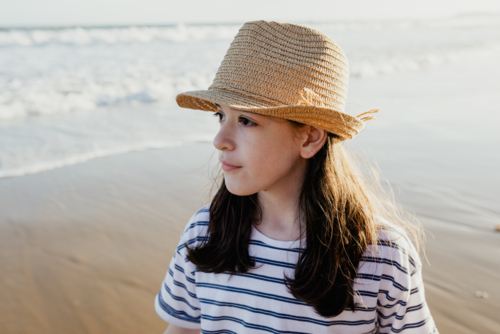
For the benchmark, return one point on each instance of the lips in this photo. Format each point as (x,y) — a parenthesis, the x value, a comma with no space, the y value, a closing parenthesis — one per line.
(227,167)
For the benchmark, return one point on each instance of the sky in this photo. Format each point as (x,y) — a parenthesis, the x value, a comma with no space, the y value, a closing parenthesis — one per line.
(124,12)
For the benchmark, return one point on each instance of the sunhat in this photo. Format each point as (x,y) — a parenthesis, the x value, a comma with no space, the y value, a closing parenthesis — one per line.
(283,70)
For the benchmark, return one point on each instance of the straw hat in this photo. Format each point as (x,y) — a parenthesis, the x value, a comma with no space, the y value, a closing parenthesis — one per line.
(283,70)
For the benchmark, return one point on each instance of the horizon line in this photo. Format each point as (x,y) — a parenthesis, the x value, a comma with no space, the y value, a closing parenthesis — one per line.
(165,24)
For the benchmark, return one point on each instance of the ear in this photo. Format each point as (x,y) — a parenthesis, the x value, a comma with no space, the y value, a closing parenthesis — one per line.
(313,141)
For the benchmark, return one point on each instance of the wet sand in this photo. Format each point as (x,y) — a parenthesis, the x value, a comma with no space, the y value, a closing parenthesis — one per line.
(85,248)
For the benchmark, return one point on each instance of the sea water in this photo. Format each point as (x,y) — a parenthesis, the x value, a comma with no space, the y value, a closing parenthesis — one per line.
(71,94)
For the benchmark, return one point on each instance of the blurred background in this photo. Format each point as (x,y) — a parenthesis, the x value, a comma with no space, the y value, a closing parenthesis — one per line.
(100,169)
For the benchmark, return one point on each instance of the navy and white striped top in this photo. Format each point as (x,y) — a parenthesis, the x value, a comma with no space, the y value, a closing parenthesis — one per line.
(389,284)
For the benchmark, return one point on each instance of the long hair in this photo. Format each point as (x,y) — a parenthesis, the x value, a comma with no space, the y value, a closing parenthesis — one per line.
(340,210)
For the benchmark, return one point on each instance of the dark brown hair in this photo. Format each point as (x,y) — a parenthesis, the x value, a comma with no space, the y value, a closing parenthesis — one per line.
(339,210)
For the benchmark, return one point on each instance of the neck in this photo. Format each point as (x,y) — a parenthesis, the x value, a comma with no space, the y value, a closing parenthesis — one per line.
(281,218)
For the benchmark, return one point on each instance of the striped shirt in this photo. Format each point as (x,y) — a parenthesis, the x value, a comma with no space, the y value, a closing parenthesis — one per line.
(389,283)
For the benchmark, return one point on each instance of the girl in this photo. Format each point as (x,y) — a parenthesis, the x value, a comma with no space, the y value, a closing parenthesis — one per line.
(294,241)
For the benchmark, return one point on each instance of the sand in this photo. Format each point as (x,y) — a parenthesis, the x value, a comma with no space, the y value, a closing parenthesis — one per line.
(85,248)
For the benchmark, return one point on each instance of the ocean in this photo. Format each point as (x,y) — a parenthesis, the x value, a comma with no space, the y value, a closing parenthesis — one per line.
(70,94)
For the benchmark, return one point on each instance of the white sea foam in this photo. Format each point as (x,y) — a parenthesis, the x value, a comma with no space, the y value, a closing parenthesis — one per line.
(82,83)
(388,64)
(48,96)
(68,95)
(76,157)
(31,146)
(183,32)
(115,35)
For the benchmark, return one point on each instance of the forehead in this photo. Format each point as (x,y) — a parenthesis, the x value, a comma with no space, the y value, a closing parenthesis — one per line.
(257,116)
(226,107)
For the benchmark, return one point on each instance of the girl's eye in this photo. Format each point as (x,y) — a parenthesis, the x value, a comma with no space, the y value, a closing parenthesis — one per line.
(219,115)
(247,122)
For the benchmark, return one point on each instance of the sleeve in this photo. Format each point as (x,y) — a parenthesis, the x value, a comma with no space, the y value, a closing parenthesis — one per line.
(176,301)
(401,304)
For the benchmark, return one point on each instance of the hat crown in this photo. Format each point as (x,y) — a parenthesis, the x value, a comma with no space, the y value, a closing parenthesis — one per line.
(283,70)
(285,64)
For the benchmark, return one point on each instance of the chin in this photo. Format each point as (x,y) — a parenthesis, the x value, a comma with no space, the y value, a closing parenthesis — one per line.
(239,189)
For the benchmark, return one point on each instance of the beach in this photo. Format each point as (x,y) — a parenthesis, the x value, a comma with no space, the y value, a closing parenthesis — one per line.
(99,175)
(85,247)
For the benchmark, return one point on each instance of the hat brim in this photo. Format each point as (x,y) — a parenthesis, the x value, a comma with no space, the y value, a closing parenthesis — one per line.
(328,119)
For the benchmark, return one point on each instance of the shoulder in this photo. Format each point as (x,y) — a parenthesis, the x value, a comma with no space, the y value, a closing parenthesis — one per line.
(196,227)
(401,304)
(198,221)
(394,249)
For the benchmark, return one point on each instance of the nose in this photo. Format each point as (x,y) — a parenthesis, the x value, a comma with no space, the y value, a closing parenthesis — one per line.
(224,138)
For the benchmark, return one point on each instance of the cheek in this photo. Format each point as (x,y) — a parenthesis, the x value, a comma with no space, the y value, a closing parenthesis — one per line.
(264,164)
(272,161)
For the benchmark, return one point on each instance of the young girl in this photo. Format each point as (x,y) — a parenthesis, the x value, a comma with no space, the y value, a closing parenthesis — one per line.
(294,241)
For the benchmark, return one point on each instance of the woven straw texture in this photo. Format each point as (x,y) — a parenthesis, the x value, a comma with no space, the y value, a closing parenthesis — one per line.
(283,70)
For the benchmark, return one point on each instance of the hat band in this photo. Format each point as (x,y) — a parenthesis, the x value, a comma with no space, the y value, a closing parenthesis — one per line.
(251,95)
(307,98)
(367,118)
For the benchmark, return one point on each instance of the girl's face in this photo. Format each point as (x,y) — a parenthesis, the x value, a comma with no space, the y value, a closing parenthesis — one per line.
(259,153)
